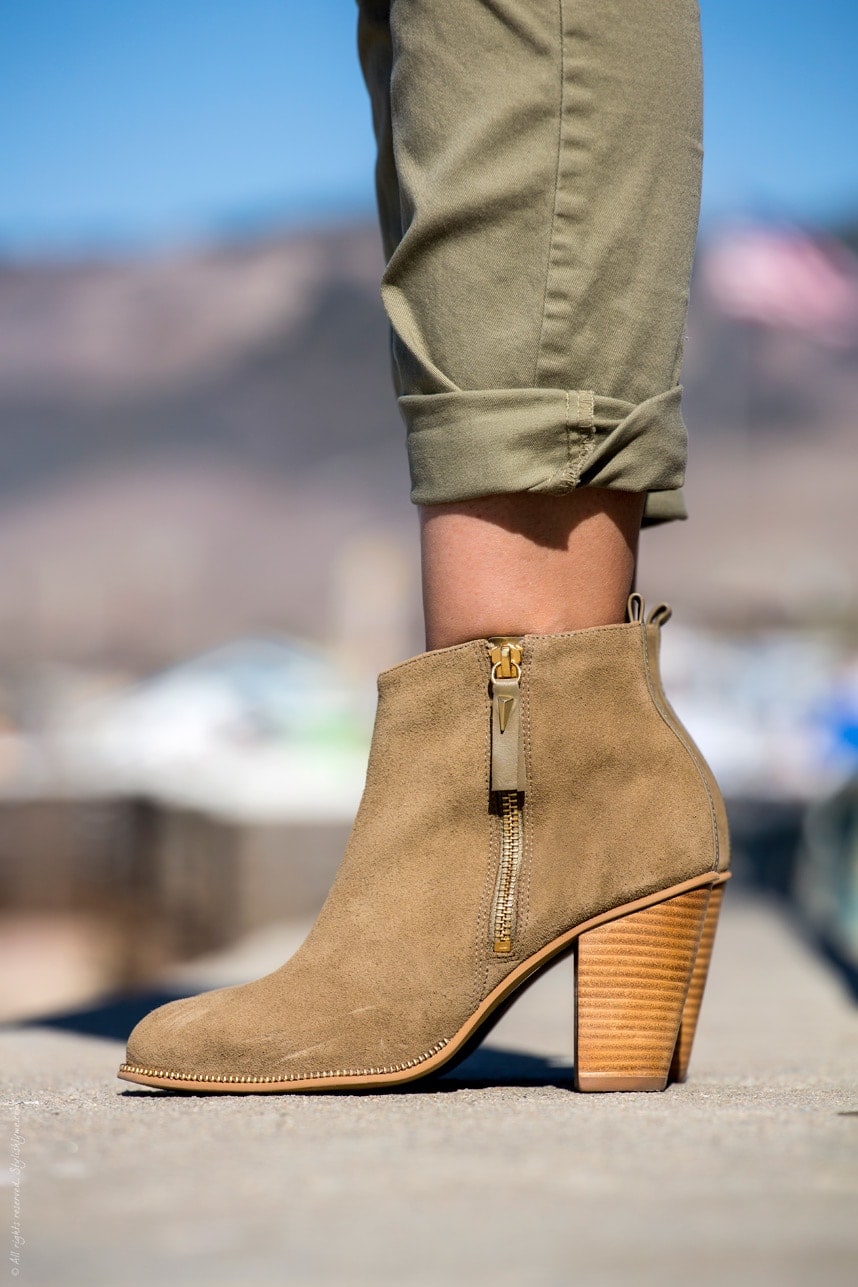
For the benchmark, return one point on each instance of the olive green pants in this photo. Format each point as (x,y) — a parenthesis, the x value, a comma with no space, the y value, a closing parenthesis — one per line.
(538,184)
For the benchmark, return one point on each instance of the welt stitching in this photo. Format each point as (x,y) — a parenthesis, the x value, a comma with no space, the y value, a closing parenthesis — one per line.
(683,743)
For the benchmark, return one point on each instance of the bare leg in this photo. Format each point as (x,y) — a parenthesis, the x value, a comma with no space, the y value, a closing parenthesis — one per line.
(527,563)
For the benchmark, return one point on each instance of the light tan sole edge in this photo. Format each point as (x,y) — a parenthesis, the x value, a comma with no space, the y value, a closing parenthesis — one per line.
(444,1051)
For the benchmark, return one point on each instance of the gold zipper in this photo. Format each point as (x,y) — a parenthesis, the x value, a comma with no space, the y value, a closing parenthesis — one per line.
(507,783)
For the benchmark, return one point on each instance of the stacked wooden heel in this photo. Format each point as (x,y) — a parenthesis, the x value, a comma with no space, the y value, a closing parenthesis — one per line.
(639,983)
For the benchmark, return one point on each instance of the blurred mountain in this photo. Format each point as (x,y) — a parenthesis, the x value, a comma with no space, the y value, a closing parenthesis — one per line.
(191,443)
(204,443)
(271,355)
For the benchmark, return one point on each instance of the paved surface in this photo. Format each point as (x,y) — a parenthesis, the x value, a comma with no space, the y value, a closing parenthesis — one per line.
(498,1175)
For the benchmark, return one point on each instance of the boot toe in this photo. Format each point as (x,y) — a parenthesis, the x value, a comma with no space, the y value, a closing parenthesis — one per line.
(176,1038)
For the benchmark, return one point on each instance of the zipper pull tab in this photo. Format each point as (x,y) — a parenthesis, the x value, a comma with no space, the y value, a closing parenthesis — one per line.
(507,740)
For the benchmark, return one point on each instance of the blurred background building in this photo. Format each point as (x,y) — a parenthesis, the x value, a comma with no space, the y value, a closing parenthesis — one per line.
(207,550)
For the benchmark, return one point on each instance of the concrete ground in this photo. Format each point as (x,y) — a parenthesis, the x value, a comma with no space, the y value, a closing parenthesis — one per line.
(498,1174)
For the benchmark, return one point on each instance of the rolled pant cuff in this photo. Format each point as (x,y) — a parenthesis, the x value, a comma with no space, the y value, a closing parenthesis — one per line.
(466,444)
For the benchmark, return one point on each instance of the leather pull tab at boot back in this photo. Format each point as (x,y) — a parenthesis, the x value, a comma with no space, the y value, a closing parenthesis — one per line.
(636,612)
(507,739)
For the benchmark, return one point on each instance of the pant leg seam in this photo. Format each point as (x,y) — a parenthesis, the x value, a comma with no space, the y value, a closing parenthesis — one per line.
(554,210)
(582,424)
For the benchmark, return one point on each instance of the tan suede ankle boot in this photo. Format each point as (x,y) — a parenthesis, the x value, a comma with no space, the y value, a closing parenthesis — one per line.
(524,799)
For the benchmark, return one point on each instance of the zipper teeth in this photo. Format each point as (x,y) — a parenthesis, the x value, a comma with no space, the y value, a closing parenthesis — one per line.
(510,860)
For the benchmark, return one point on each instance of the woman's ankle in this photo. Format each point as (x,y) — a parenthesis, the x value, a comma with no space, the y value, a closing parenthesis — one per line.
(525,563)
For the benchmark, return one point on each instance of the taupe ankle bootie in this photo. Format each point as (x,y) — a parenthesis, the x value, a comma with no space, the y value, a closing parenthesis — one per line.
(524,798)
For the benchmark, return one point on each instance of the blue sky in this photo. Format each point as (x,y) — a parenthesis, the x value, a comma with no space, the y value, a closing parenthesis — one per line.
(131,123)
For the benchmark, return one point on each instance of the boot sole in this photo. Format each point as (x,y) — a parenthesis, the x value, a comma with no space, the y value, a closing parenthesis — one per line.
(633,1017)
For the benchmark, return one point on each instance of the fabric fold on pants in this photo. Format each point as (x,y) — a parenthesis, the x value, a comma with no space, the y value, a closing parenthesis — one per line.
(482,442)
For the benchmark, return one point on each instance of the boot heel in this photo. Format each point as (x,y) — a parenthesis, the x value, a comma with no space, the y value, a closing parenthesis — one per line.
(632,978)
(691,1013)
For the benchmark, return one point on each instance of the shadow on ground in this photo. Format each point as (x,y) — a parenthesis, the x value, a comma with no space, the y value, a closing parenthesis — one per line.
(111,1018)
(494,1066)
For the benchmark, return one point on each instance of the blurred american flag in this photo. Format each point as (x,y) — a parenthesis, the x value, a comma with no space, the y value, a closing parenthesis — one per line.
(785,278)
